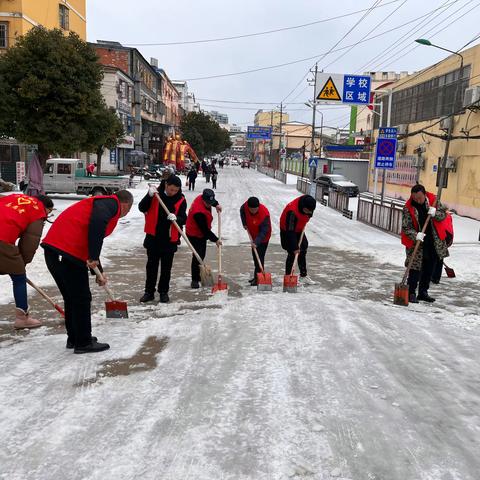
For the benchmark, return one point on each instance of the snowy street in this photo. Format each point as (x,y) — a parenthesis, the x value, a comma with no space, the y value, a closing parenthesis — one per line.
(332,382)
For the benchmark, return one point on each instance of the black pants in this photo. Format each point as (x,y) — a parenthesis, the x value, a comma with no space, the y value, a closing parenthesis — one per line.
(72,281)
(422,278)
(302,256)
(214,183)
(191,185)
(200,245)
(261,250)
(157,258)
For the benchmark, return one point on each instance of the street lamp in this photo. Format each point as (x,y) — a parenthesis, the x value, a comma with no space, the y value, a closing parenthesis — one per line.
(312,147)
(441,180)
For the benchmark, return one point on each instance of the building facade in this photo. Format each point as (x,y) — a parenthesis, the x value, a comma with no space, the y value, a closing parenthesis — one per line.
(270,118)
(17,17)
(186,98)
(422,105)
(220,118)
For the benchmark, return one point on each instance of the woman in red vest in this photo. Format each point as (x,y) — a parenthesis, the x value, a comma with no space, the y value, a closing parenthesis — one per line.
(434,246)
(21,218)
(199,229)
(293,220)
(162,238)
(256,220)
(72,246)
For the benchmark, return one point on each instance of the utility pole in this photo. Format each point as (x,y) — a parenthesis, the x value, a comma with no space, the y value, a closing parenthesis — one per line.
(271,139)
(280,137)
(313,170)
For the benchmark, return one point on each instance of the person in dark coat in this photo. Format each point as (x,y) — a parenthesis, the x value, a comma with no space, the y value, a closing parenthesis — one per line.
(293,220)
(208,172)
(72,246)
(162,237)
(256,220)
(204,166)
(214,173)
(22,218)
(199,229)
(191,177)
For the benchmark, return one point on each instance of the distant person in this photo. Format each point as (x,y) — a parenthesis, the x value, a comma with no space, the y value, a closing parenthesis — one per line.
(192,177)
(214,173)
(90,169)
(208,173)
(449,235)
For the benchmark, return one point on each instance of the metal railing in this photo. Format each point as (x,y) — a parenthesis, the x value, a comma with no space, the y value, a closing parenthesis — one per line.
(303,185)
(385,215)
(282,176)
(339,201)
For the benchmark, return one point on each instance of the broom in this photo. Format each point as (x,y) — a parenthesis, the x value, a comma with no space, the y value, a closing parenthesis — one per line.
(220,285)
(264,280)
(57,307)
(206,276)
(290,282)
(114,308)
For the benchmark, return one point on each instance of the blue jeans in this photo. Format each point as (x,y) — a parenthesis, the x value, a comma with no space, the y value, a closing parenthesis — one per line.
(20,290)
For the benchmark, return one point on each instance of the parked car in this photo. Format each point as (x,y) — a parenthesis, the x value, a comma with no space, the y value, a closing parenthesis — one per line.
(337,183)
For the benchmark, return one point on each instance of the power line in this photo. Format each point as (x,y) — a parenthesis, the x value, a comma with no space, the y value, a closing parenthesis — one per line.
(266,32)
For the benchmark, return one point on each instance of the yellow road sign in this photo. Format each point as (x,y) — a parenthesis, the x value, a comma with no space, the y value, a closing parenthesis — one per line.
(329,92)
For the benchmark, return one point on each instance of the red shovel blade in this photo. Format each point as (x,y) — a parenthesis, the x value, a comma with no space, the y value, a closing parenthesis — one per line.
(219,286)
(450,272)
(264,282)
(290,283)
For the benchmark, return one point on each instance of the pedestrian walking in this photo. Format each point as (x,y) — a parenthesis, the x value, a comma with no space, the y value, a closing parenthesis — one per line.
(434,246)
(21,218)
(162,238)
(214,173)
(191,177)
(256,220)
(72,246)
(204,166)
(208,173)
(199,229)
(293,220)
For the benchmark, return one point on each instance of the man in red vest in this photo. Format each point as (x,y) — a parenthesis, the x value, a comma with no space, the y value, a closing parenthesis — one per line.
(293,220)
(72,246)
(256,220)
(199,229)
(21,218)
(434,246)
(162,238)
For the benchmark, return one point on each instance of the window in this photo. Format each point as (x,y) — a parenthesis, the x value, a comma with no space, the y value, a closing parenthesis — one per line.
(63,14)
(49,168)
(64,169)
(3,35)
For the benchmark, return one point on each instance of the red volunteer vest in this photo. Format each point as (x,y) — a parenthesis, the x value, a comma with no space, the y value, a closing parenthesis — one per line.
(440,227)
(302,219)
(254,221)
(69,232)
(151,219)
(198,206)
(17,212)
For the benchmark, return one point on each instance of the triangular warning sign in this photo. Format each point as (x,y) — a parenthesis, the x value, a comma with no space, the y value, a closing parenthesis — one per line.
(329,91)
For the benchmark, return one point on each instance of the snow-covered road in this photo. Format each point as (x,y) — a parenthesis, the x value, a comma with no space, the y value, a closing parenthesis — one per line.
(333,382)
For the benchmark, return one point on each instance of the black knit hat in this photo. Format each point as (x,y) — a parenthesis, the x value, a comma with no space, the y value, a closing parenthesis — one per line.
(253,202)
(174,180)
(208,196)
(309,202)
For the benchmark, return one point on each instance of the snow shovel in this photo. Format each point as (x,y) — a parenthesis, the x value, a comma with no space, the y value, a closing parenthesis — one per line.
(449,271)
(57,307)
(206,276)
(264,280)
(114,308)
(290,282)
(220,285)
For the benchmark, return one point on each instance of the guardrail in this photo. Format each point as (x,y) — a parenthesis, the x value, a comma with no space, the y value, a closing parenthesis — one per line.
(339,201)
(385,215)
(282,176)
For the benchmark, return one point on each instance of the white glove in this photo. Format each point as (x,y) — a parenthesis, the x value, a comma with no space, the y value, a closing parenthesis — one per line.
(172,217)
(152,191)
(432,211)
(420,236)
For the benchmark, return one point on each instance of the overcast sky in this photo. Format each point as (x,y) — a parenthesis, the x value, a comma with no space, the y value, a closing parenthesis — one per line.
(158,21)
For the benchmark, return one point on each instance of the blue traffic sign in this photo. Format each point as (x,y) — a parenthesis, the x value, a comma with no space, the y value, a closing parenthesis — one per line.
(356,89)
(262,133)
(386,153)
(387,132)
(313,162)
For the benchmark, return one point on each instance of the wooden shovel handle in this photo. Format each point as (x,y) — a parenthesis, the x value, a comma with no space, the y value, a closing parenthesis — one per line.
(254,248)
(99,275)
(219,246)
(297,254)
(46,297)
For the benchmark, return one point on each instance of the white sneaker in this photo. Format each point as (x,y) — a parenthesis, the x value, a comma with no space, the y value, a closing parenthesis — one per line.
(306,280)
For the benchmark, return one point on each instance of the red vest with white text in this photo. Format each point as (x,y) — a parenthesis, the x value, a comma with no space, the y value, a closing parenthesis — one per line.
(254,221)
(198,206)
(151,219)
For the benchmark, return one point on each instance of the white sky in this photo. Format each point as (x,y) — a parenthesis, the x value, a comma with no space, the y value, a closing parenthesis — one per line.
(153,21)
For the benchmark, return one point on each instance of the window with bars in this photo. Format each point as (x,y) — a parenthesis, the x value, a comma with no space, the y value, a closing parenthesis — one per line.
(64,17)
(3,34)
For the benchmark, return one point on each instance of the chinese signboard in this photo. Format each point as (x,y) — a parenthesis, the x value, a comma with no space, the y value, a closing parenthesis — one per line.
(340,88)
(263,133)
(386,151)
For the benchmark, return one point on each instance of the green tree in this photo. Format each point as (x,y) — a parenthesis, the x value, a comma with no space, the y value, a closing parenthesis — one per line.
(50,93)
(204,134)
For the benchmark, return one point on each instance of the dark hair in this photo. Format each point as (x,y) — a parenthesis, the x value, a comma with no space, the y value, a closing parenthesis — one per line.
(174,180)
(47,201)
(253,202)
(124,196)
(418,188)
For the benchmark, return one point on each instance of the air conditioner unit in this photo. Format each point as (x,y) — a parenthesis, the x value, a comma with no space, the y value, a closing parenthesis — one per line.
(420,149)
(402,129)
(445,123)
(418,162)
(451,164)
(471,98)
(401,147)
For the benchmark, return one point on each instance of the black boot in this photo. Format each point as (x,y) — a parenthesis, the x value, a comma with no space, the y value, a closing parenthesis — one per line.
(70,344)
(92,347)
(425,297)
(147,297)
(412,298)
(164,298)
(195,284)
